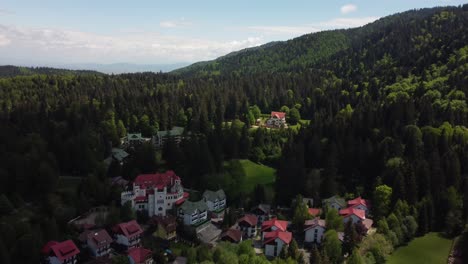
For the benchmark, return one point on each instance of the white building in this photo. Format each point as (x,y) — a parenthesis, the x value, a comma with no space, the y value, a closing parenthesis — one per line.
(193,213)
(248,225)
(216,201)
(97,241)
(161,137)
(128,234)
(314,230)
(155,193)
(277,119)
(353,214)
(274,242)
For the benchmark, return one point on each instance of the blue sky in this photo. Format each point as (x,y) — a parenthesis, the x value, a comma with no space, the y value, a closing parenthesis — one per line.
(54,32)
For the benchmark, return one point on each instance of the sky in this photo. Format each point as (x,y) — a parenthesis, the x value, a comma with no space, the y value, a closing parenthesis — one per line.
(59,32)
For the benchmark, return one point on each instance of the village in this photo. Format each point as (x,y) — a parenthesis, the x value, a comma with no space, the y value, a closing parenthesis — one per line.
(172,215)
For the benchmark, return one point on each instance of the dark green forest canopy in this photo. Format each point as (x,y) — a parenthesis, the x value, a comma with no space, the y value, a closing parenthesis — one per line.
(386,104)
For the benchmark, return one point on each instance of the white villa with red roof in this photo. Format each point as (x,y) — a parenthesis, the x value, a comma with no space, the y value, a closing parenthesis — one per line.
(274,241)
(277,119)
(314,230)
(155,193)
(273,225)
(98,242)
(248,225)
(360,203)
(64,252)
(353,214)
(128,234)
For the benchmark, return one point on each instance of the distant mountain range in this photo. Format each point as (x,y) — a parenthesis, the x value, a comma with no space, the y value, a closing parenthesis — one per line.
(117,68)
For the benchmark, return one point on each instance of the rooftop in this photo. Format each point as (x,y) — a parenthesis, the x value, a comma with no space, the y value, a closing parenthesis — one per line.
(157,180)
(214,195)
(353,211)
(190,207)
(128,229)
(273,235)
(279,224)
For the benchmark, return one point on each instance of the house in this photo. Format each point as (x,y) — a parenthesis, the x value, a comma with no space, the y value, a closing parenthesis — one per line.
(193,213)
(314,230)
(155,193)
(98,242)
(248,225)
(166,227)
(119,155)
(314,211)
(216,201)
(360,203)
(262,211)
(128,234)
(273,225)
(274,242)
(352,214)
(140,255)
(161,137)
(232,235)
(134,139)
(277,119)
(335,202)
(64,252)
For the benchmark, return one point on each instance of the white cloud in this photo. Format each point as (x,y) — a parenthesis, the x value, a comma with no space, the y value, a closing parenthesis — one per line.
(349,8)
(174,23)
(68,46)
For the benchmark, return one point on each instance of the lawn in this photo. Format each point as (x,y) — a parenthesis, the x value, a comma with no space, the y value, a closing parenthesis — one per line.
(256,174)
(429,249)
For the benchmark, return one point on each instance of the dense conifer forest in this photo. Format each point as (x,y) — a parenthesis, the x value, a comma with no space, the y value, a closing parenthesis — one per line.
(386,103)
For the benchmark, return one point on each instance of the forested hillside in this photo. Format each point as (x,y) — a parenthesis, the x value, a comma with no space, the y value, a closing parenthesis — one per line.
(387,104)
(11,71)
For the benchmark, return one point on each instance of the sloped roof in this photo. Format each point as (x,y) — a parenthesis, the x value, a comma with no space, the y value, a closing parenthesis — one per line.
(175,131)
(214,195)
(308,224)
(99,238)
(314,211)
(119,154)
(139,254)
(353,211)
(65,250)
(190,207)
(264,208)
(234,234)
(335,199)
(359,201)
(158,180)
(129,229)
(280,224)
(250,219)
(279,115)
(273,235)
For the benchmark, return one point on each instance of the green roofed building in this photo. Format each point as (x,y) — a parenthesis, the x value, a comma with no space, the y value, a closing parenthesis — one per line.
(216,201)
(193,213)
(176,134)
(335,202)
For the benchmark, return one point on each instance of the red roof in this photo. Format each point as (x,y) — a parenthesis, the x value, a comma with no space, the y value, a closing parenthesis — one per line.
(139,255)
(129,229)
(251,220)
(140,198)
(314,211)
(353,211)
(100,238)
(65,250)
(158,180)
(233,234)
(47,247)
(273,235)
(279,115)
(359,201)
(182,200)
(279,224)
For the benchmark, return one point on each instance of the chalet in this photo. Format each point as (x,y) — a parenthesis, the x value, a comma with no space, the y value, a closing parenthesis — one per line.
(274,241)
(314,230)
(335,202)
(262,211)
(353,214)
(128,234)
(273,225)
(360,203)
(155,193)
(216,201)
(161,137)
(277,119)
(98,242)
(248,225)
(193,213)
(140,255)
(314,211)
(64,252)
(166,227)
(134,139)
(232,235)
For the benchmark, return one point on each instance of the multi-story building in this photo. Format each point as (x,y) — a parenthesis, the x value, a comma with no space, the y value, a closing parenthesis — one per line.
(155,193)
(64,252)
(193,213)
(216,202)
(128,234)
(314,230)
(161,137)
(277,119)
(98,242)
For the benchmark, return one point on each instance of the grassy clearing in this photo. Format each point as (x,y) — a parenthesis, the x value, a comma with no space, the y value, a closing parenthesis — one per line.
(429,249)
(256,174)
